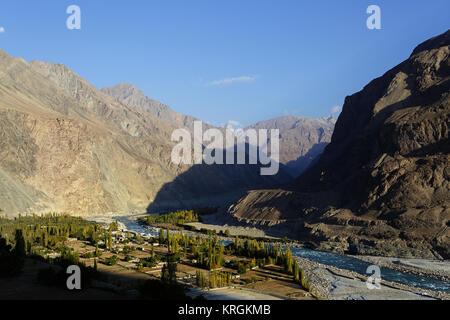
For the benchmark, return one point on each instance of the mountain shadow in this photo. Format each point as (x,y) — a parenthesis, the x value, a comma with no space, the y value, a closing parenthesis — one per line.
(302,163)
(214,185)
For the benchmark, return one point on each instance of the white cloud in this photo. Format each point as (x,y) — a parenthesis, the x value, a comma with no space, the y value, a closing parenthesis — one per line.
(2,30)
(336,109)
(227,81)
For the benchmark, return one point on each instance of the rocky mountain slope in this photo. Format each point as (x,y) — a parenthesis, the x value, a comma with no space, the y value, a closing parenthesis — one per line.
(382,184)
(130,95)
(67,147)
(302,140)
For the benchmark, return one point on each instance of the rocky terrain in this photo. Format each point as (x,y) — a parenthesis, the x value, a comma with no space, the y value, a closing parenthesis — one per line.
(130,95)
(302,140)
(67,147)
(381,186)
(332,283)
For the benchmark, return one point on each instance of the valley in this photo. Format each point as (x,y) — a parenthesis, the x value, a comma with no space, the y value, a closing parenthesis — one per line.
(88,179)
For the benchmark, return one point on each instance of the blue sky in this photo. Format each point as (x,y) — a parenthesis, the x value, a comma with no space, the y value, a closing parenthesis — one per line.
(221,60)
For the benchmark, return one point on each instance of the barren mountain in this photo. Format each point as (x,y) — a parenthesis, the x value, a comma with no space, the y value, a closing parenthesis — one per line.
(302,140)
(130,95)
(382,184)
(67,147)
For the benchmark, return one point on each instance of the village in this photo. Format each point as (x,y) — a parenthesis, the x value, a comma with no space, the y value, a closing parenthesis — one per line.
(129,258)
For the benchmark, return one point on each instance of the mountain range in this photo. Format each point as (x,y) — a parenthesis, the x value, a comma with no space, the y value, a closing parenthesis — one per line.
(66,146)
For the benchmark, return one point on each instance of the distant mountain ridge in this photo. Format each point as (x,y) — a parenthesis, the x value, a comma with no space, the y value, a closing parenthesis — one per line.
(302,140)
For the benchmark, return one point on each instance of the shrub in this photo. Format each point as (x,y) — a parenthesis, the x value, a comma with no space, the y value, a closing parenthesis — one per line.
(241,268)
(111,261)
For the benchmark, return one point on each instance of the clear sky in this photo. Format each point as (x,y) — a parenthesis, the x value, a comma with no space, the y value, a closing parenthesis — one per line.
(221,60)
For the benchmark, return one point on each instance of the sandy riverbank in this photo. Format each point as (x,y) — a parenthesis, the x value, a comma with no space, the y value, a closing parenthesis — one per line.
(234,231)
(106,221)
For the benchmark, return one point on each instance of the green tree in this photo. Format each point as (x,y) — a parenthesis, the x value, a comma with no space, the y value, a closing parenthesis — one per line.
(168,274)
(161,236)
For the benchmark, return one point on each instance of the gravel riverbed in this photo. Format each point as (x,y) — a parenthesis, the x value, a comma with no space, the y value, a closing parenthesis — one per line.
(329,282)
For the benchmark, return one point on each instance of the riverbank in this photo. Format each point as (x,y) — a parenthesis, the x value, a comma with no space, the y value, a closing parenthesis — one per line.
(333,283)
(436,269)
